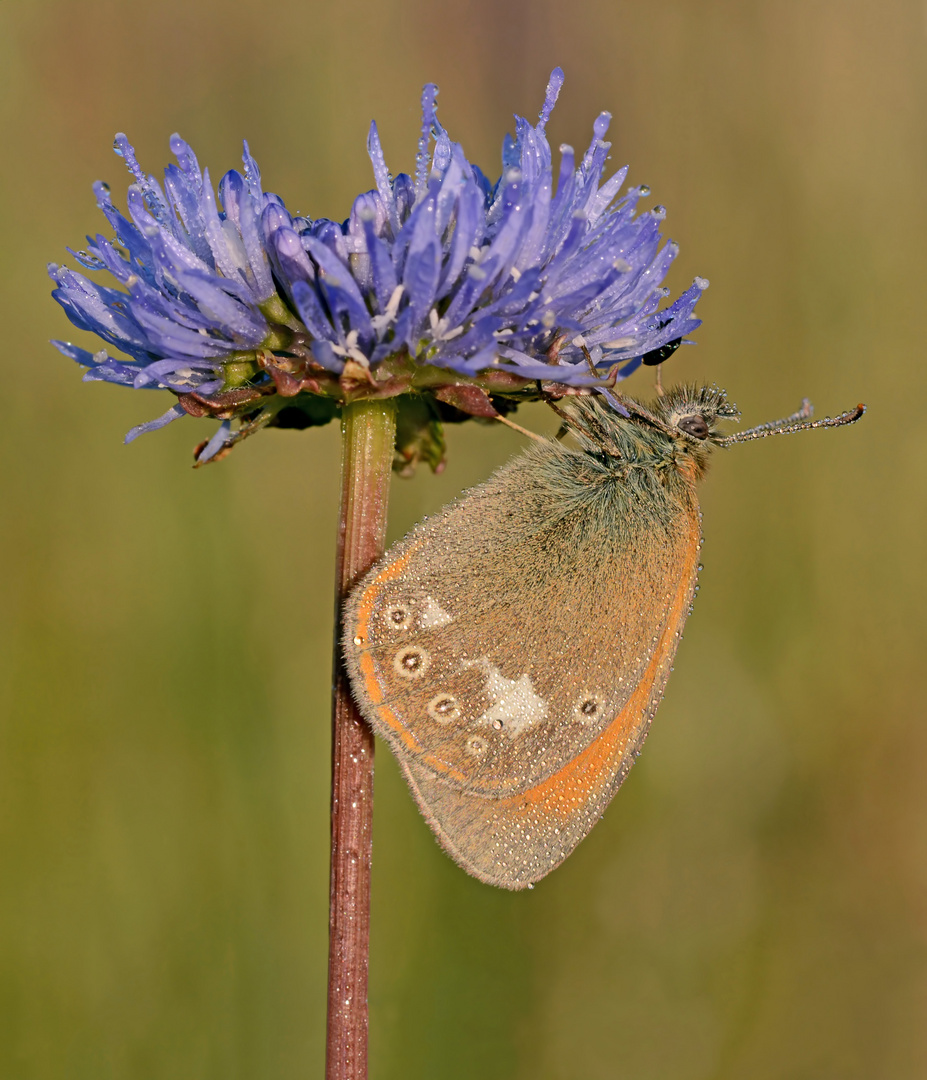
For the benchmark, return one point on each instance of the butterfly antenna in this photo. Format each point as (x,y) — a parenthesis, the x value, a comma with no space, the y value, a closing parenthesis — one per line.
(799,421)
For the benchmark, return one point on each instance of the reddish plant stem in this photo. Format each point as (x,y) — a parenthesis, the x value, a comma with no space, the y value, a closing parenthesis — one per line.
(368,433)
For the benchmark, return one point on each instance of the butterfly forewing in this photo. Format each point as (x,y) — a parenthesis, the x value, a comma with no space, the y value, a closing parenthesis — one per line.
(490,682)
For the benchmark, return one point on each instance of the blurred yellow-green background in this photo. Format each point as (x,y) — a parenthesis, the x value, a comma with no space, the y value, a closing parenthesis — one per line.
(754,903)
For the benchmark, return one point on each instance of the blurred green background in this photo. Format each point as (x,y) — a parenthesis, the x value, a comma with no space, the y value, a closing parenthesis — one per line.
(754,903)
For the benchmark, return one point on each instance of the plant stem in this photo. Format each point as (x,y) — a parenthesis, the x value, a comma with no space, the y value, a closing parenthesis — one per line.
(367,434)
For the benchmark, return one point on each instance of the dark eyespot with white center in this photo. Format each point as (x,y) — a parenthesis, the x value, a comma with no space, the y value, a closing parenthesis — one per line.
(476,745)
(411,662)
(588,709)
(695,426)
(399,617)
(443,708)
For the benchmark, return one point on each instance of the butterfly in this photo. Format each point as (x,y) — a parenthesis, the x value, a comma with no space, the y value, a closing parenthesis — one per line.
(513,649)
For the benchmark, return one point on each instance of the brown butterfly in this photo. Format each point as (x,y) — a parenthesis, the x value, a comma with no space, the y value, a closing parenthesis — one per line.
(513,649)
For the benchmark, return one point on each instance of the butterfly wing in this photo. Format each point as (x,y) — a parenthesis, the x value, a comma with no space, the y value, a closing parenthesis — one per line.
(519,636)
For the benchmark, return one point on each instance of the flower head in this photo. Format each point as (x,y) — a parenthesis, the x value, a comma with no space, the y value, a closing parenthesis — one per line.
(440,285)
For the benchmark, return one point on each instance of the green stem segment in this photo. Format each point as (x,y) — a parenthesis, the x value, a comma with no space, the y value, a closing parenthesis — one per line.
(368,430)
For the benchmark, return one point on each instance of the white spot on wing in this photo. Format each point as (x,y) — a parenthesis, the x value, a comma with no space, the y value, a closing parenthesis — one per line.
(515,704)
(433,615)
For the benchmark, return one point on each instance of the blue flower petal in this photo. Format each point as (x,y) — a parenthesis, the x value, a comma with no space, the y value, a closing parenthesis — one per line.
(174,413)
(216,443)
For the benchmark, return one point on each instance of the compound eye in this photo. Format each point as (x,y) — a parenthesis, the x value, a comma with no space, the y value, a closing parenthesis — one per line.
(694,426)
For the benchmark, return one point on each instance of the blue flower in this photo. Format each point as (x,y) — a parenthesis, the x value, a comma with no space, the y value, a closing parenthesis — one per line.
(197,283)
(440,284)
(523,275)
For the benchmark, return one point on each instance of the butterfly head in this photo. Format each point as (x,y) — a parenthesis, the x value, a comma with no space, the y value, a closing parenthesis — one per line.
(685,424)
(692,413)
